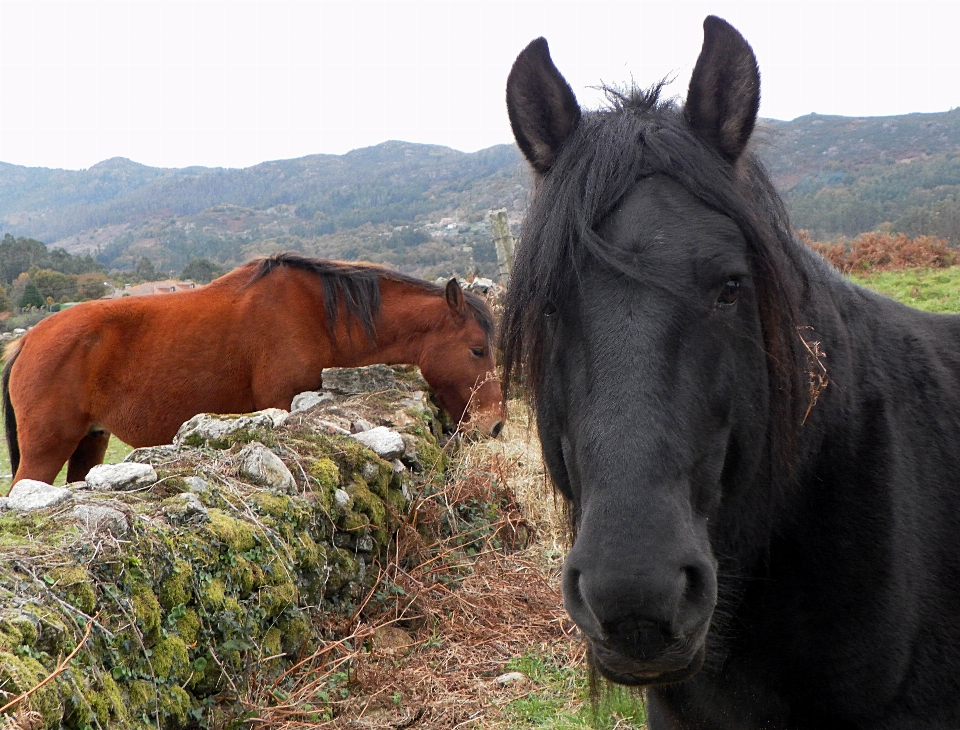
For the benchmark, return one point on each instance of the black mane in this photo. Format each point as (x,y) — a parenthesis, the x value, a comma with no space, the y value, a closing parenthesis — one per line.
(358,285)
(638,135)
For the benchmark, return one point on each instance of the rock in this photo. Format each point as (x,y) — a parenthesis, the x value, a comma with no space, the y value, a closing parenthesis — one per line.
(4,504)
(308,399)
(212,430)
(410,457)
(385,443)
(97,517)
(277,415)
(343,499)
(185,507)
(360,425)
(359,380)
(365,543)
(481,285)
(262,466)
(511,678)
(29,495)
(333,428)
(197,485)
(369,471)
(19,331)
(124,476)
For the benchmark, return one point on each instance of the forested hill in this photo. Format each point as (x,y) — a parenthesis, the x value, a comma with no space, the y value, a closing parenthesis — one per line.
(848,175)
(423,208)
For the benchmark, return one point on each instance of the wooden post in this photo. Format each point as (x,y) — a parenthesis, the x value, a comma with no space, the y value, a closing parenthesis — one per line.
(503,242)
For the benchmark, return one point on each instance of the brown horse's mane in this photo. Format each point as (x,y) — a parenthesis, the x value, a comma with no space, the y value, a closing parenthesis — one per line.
(358,286)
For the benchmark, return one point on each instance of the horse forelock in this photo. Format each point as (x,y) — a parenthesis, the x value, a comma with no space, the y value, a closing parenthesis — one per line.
(609,152)
(358,286)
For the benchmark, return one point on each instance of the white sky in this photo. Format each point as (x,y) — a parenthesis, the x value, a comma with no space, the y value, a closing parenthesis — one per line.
(236,83)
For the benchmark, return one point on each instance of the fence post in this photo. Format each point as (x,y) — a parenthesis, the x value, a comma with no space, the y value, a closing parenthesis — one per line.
(503,242)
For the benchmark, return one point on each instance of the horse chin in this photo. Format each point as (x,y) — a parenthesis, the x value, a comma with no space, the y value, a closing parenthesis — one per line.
(624,670)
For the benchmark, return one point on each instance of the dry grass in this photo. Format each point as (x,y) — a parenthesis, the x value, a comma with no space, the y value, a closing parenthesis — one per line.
(450,610)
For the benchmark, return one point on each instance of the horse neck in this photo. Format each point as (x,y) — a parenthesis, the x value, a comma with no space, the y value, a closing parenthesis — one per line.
(408,312)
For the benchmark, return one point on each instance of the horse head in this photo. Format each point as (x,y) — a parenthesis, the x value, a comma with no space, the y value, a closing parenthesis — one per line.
(637,316)
(457,361)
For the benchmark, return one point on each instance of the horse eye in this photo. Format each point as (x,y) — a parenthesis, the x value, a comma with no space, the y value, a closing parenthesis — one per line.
(549,310)
(478,351)
(728,297)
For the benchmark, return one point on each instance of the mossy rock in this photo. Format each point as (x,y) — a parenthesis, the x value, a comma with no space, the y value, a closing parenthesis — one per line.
(235,534)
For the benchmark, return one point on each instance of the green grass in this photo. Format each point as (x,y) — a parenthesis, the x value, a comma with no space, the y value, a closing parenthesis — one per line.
(560,700)
(933,290)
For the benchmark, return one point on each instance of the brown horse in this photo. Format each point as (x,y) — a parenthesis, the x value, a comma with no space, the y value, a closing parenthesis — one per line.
(139,367)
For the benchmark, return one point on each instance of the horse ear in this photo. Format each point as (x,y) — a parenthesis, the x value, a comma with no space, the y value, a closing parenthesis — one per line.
(724,95)
(455,299)
(541,105)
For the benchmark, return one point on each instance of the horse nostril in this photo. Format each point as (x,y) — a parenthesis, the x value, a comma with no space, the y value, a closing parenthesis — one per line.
(497,428)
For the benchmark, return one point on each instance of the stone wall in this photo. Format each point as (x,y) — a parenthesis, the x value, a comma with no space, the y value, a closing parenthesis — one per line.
(203,565)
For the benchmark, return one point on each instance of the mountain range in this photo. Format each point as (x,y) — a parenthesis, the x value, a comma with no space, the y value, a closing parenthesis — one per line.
(423,208)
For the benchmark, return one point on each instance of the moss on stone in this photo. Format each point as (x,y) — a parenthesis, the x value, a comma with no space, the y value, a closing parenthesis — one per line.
(276,505)
(353,521)
(171,659)
(244,575)
(175,705)
(213,593)
(17,630)
(433,458)
(326,472)
(187,626)
(368,503)
(74,585)
(177,587)
(146,607)
(275,599)
(272,642)
(295,632)
(21,673)
(237,535)
(141,696)
(106,701)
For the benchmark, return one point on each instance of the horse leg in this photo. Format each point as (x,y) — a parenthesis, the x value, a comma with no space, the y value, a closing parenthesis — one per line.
(42,461)
(88,454)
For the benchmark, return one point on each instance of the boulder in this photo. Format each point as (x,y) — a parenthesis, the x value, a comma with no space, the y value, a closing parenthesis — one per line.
(97,518)
(359,380)
(185,507)
(308,399)
(385,443)
(121,477)
(262,466)
(205,429)
(29,495)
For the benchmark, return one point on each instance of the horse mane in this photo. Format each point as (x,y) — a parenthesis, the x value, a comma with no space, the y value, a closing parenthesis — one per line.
(358,286)
(640,134)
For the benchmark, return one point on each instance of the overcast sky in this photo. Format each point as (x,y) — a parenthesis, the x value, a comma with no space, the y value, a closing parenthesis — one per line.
(235,83)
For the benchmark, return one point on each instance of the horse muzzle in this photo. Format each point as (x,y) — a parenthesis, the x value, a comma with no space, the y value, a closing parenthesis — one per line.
(680,660)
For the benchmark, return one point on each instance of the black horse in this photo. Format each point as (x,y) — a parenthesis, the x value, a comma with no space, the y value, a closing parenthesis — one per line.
(762,460)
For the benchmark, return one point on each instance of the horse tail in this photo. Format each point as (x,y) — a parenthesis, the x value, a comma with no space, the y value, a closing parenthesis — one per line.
(9,417)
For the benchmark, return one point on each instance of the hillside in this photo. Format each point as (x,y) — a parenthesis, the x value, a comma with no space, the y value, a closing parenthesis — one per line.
(423,208)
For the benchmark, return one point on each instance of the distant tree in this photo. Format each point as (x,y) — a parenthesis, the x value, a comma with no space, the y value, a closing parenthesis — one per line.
(202,271)
(54,283)
(145,269)
(90,286)
(5,304)
(31,296)
(19,254)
